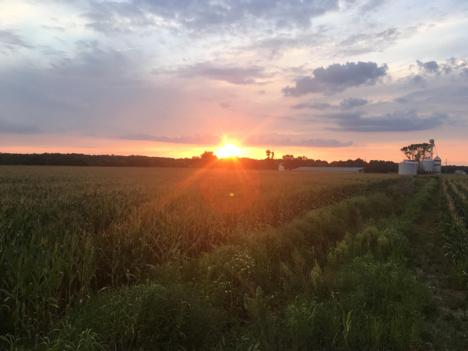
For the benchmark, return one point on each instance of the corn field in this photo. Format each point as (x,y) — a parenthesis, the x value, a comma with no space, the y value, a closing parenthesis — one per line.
(203,259)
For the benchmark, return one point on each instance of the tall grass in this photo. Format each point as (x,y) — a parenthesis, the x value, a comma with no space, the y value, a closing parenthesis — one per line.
(68,233)
(334,278)
(456,229)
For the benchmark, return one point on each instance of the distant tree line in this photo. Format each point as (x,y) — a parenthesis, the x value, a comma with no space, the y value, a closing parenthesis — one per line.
(451,169)
(208,158)
(374,166)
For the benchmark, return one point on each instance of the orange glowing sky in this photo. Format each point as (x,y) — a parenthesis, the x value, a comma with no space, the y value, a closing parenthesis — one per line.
(452,151)
(326,79)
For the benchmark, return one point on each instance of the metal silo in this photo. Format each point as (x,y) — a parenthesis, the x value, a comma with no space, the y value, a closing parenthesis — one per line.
(437,168)
(408,167)
(427,165)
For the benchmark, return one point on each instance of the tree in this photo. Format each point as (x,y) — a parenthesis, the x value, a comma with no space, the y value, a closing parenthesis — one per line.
(208,156)
(288,162)
(268,154)
(419,151)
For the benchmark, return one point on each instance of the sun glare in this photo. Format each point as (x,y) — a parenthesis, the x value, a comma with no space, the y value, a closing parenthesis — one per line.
(228,150)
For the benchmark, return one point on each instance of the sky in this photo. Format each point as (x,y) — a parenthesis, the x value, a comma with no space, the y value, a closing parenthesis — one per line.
(328,79)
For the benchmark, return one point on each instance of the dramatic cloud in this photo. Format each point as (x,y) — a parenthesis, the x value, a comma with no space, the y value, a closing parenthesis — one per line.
(405,121)
(337,77)
(229,74)
(184,72)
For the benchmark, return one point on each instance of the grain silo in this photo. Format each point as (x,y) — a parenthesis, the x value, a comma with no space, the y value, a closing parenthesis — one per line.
(427,165)
(408,167)
(437,168)
(420,156)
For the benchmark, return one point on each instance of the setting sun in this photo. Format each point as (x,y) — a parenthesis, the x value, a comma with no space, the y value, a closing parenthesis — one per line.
(228,150)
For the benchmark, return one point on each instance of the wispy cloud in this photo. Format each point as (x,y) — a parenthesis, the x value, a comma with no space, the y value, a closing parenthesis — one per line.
(11,42)
(345,104)
(225,15)
(8,127)
(227,73)
(402,121)
(263,140)
(185,139)
(295,140)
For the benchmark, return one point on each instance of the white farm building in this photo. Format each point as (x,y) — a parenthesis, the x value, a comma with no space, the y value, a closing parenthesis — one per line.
(420,159)
(330,169)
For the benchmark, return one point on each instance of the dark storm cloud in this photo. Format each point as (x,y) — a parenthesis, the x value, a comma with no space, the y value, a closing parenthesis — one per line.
(337,78)
(204,15)
(404,121)
(229,74)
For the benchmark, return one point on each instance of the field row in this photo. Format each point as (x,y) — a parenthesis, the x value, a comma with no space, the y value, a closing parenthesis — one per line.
(334,278)
(456,197)
(69,233)
(247,260)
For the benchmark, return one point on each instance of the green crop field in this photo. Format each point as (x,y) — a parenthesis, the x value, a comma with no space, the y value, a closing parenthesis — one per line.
(206,259)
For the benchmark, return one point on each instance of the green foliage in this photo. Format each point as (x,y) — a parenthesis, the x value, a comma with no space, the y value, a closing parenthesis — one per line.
(456,229)
(187,260)
(371,306)
(145,317)
(65,233)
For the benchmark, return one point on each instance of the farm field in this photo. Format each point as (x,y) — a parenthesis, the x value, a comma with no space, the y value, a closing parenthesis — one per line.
(206,259)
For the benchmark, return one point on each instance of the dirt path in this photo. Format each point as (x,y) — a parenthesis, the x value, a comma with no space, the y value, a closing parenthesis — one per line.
(447,317)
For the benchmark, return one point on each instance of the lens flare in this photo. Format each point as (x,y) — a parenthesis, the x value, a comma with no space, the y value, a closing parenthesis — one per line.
(228,150)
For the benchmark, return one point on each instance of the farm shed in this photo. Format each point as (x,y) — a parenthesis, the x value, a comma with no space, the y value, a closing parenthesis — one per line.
(330,169)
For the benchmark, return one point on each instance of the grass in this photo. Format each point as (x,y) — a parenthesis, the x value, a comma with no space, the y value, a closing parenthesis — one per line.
(178,259)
